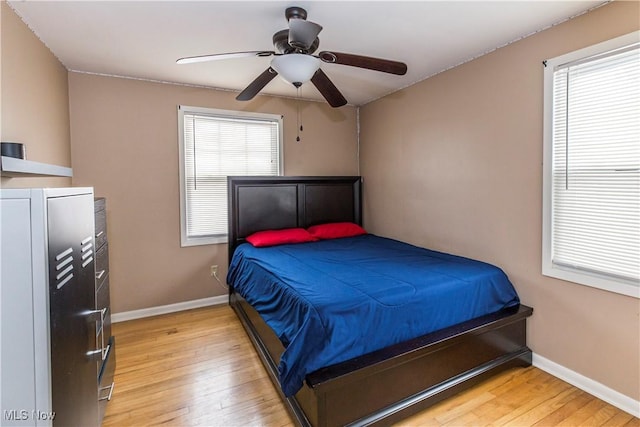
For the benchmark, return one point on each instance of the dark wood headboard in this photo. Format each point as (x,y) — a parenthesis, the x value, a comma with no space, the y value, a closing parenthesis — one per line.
(271,203)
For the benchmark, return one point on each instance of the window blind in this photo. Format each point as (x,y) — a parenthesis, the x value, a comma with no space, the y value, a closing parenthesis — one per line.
(596,165)
(217,146)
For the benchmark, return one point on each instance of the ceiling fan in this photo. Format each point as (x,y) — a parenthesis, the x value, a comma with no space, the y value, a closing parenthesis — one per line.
(295,62)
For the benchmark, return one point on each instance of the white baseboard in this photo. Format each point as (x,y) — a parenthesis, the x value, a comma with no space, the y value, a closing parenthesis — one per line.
(592,387)
(171,308)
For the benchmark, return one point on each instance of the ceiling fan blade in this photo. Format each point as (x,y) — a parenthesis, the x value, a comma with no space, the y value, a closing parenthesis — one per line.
(303,33)
(256,86)
(376,64)
(218,56)
(328,89)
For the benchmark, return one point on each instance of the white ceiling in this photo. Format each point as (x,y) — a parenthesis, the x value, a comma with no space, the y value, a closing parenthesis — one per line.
(143,39)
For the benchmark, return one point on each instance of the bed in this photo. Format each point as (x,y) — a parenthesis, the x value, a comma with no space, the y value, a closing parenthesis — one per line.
(385,384)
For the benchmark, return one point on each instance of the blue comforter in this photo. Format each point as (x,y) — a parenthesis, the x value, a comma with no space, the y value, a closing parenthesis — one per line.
(332,300)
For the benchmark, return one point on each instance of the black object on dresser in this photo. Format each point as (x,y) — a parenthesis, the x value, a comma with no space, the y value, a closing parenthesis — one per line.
(104,340)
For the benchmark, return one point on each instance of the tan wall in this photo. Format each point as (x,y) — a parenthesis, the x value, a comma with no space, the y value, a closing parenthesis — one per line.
(35,100)
(125,143)
(455,163)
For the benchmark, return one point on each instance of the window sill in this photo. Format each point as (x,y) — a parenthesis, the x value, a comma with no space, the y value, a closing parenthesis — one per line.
(200,241)
(622,287)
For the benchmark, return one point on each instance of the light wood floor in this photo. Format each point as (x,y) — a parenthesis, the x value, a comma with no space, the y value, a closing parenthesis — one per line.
(198,368)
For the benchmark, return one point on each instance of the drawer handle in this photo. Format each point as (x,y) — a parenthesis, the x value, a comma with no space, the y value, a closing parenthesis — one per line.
(110,387)
(100,273)
(105,351)
(95,354)
(100,234)
(96,315)
(99,354)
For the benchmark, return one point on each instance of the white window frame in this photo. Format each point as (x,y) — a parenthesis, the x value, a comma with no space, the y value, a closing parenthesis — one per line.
(186,240)
(549,268)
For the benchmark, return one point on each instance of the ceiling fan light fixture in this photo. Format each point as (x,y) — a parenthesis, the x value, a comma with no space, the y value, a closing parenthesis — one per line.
(296,68)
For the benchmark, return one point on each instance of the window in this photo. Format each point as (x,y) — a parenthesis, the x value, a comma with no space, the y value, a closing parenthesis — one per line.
(215,144)
(591,199)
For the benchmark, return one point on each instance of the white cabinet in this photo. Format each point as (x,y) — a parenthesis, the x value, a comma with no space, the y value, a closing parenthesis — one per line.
(47,308)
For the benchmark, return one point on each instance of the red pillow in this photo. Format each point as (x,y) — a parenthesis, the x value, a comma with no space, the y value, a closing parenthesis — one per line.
(280,237)
(335,230)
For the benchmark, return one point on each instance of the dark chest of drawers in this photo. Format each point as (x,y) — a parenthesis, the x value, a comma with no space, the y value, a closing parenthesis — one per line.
(104,339)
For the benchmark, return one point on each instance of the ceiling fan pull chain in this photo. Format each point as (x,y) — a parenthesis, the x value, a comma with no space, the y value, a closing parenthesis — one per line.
(298,119)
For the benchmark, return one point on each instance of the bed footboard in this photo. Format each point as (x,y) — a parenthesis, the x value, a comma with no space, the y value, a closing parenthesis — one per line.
(398,381)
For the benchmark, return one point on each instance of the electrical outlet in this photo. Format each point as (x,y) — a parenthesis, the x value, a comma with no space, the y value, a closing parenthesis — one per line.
(214,270)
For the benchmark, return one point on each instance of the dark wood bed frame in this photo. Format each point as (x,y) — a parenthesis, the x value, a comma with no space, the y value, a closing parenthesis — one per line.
(387,385)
